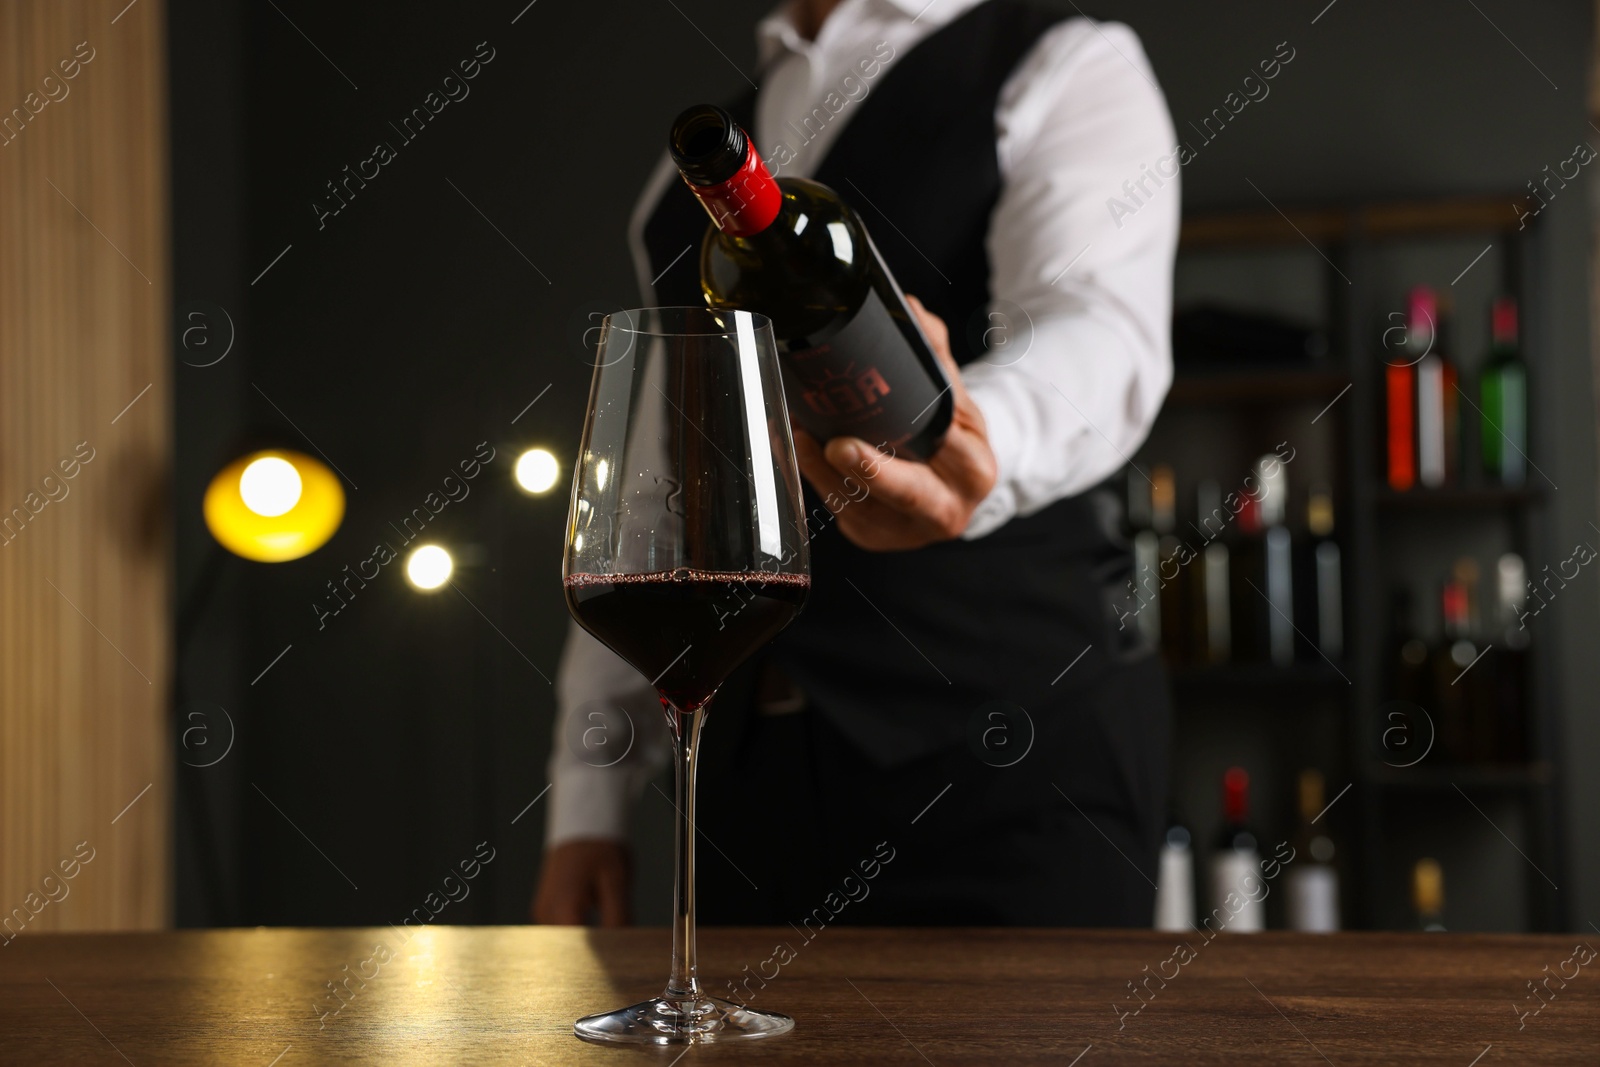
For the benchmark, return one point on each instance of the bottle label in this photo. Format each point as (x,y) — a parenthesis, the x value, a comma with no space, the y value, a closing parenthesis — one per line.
(1430,422)
(1175,890)
(1402,437)
(1313,899)
(863,381)
(1237,892)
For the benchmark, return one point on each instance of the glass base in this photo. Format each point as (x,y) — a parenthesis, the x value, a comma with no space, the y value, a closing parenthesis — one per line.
(681,1022)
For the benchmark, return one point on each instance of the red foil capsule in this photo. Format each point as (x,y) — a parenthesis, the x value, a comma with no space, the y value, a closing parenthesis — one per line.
(746,203)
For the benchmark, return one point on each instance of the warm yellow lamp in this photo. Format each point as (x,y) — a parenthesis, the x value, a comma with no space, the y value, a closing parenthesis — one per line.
(274,505)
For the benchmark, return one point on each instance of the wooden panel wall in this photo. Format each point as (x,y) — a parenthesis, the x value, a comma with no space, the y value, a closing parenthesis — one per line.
(84,456)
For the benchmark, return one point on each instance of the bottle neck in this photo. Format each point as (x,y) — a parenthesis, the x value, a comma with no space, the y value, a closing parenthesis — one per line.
(1236,797)
(1163,501)
(1454,605)
(1504,324)
(1311,794)
(746,203)
(1422,320)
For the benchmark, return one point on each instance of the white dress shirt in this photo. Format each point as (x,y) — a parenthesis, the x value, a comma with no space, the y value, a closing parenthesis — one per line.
(1080,355)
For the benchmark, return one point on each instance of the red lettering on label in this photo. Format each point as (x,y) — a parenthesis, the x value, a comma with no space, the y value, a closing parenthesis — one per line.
(818,401)
(846,394)
(872,386)
(844,397)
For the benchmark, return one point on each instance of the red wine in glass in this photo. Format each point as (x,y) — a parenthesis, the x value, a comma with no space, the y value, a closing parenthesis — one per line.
(685,629)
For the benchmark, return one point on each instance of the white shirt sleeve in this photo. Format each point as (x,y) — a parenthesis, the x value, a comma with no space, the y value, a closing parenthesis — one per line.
(1082,289)
(610,740)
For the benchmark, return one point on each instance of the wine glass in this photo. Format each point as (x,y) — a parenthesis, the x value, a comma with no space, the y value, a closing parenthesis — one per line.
(686,552)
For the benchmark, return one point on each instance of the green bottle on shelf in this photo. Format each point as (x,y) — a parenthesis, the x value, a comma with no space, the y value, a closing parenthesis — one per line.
(1503,393)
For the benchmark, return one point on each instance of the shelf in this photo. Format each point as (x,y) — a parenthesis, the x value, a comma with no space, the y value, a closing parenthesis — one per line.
(1459,498)
(1236,386)
(1244,679)
(1237,253)
(1456,216)
(1468,777)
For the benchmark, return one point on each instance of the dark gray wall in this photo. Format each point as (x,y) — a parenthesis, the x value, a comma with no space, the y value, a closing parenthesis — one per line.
(409,328)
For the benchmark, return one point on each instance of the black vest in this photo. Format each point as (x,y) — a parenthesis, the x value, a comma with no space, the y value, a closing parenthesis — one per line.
(902,649)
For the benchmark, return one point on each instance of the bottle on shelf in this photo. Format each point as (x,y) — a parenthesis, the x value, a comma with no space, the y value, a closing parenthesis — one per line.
(1263,592)
(1508,661)
(1138,517)
(1477,679)
(854,359)
(1237,891)
(1145,602)
(1319,582)
(1503,396)
(1174,578)
(1454,697)
(1311,887)
(1511,593)
(1175,881)
(1213,624)
(1409,664)
(1427,895)
(1400,391)
(1438,410)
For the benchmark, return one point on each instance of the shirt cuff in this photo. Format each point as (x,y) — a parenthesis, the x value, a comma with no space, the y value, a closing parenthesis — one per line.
(1000,506)
(588,802)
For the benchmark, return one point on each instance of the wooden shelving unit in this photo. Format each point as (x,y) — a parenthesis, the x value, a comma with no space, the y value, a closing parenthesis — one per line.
(1463,498)
(1349,225)
(1225,680)
(1255,386)
(1349,237)
(1468,778)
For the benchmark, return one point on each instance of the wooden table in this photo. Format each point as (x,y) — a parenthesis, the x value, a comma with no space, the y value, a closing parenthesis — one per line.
(467,995)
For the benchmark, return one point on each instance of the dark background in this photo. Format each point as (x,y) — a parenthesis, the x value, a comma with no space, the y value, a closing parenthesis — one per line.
(409,329)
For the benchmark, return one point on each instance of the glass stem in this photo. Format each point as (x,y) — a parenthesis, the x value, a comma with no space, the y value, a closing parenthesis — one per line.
(684,983)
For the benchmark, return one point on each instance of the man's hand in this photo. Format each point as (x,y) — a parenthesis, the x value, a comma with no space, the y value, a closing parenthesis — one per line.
(907,504)
(580,877)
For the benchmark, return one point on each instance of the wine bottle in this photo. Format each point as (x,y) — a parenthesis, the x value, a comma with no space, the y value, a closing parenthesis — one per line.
(1476,678)
(1509,660)
(1138,517)
(854,359)
(1409,667)
(1312,885)
(1511,593)
(1175,881)
(1319,593)
(1427,895)
(1146,599)
(1263,594)
(1449,661)
(1503,393)
(1400,389)
(1172,574)
(1237,891)
(1213,624)
(1438,411)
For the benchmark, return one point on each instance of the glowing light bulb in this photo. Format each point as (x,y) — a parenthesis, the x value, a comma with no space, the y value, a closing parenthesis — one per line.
(537,470)
(274,506)
(429,567)
(270,487)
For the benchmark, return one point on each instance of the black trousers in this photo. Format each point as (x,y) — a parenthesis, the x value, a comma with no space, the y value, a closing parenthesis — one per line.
(796,823)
